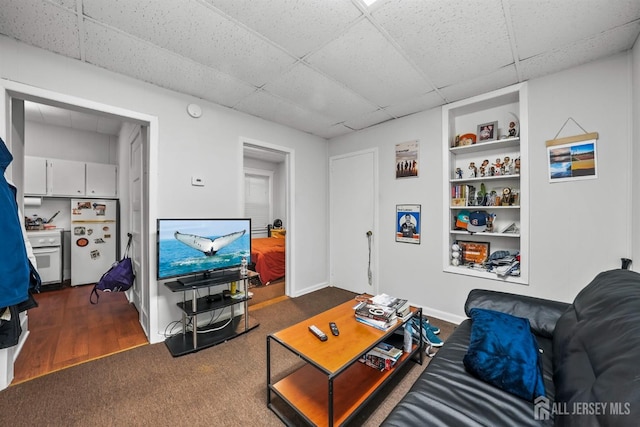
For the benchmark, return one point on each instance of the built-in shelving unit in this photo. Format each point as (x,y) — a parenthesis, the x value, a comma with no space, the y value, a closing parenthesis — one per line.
(503,191)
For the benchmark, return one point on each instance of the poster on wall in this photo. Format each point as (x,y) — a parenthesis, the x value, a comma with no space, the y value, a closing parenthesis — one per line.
(408,223)
(572,161)
(407,159)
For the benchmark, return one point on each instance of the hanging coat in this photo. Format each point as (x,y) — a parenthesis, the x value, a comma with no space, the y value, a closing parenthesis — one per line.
(14,263)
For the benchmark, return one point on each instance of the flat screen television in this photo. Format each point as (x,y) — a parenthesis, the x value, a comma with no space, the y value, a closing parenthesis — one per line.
(192,247)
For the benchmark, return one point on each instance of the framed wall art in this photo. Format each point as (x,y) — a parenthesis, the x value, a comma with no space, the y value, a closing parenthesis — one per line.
(407,159)
(408,223)
(572,159)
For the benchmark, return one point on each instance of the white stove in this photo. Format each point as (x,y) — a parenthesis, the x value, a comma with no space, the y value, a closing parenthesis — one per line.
(47,249)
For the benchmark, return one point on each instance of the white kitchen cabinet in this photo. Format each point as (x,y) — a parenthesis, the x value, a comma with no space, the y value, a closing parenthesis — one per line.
(67,177)
(101,180)
(35,176)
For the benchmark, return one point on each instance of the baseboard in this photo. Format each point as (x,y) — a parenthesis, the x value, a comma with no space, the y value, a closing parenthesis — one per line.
(310,289)
(443,315)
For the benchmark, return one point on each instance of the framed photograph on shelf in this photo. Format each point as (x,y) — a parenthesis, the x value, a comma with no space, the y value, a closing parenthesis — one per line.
(408,223)
(487,132)
(473,252)
(407,159)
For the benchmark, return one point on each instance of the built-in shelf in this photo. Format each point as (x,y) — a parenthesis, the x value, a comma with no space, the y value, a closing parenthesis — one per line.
(460,189)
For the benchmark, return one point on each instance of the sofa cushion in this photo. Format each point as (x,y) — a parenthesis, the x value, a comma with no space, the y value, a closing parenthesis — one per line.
(445,394)
(504,352)
(596,353)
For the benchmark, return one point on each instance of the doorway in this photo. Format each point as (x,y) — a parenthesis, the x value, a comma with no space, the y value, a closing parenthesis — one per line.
(267,189)
(16,94)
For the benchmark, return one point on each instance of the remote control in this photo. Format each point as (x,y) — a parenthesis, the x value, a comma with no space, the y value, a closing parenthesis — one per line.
(334,328)
(318,333)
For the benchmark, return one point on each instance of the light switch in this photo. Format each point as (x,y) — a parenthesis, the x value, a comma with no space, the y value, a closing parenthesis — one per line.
(197,181)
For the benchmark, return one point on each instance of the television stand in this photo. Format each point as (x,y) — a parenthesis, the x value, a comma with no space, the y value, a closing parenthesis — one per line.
(239,322)
(216,277)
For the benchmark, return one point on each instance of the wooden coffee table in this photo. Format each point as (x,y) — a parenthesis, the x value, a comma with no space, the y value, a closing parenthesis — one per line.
(328,385)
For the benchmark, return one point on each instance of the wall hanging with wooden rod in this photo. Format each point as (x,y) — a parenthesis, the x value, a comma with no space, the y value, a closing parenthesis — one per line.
(572,157)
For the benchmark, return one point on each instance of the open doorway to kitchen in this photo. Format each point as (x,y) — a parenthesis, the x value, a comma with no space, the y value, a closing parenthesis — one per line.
(267,201)
(78,338)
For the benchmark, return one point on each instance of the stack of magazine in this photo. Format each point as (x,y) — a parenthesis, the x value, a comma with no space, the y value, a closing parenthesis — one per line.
(378,316)
(382,357)
(401,306)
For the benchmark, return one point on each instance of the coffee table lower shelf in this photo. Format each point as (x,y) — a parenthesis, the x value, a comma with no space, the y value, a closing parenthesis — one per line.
(307,390)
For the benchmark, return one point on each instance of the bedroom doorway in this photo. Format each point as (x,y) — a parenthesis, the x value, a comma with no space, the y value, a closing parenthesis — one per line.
(267,186)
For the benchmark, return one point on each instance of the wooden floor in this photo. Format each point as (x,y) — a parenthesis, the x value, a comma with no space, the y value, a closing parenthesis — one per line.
(65,330)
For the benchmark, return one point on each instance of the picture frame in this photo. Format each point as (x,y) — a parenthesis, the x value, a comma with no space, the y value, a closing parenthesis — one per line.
(408,223)
(487,132)
(407,159)
(473,252)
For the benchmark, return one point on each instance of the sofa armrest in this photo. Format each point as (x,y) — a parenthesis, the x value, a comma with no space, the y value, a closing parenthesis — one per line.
(542,313)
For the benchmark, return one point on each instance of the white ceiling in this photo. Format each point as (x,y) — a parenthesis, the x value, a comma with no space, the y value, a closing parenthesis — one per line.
(327,67)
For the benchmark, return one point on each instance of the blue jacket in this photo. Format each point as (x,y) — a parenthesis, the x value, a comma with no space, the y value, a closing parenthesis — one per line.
(14,263)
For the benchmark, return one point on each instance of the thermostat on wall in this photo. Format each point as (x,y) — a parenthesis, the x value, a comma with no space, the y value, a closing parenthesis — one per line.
(197,181)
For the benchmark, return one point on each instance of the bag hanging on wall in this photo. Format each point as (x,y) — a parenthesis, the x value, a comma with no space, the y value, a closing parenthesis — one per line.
(119,278)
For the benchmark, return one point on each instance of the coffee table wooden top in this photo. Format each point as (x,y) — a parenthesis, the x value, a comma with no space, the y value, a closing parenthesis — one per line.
(337,352)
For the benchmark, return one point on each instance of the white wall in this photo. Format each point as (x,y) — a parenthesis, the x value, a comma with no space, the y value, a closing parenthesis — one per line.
(577,229)
(209,146)
(635,157)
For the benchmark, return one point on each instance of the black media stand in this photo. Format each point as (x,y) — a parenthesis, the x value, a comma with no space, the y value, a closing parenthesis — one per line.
(238,323)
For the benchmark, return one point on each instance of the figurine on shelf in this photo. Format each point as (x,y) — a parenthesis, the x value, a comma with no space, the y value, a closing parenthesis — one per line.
(506,196)
(498,167)
(506,167)
(484,170)
(513,132)
(458,173)
(473,169)
(516,166)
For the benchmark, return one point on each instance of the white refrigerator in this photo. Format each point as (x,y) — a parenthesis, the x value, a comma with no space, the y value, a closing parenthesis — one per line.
(94,231)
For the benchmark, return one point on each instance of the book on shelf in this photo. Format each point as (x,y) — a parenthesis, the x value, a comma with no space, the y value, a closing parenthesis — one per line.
(382,357)
(378,324)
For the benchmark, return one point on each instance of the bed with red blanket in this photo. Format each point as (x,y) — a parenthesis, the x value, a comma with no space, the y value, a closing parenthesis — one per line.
(267,257)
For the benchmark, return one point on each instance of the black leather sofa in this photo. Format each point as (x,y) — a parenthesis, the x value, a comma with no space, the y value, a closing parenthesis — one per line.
(590,357)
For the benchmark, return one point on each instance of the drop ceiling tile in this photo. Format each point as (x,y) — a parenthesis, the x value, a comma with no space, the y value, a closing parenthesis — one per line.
(314,91)
(450,41)
(369,119)
(422,102)
(269,107)
(120,53)
(367,63)
(299,26)
(580,52)
(334,131)
(196,31)
(502,78)
(41,24)
(67,4)
(558,23)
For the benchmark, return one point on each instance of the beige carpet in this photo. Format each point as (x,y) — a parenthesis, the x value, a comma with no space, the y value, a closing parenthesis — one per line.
(224,385)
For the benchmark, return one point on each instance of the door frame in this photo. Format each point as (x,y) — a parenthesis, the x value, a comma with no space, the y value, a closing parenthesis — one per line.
(13,90)
(289,160)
